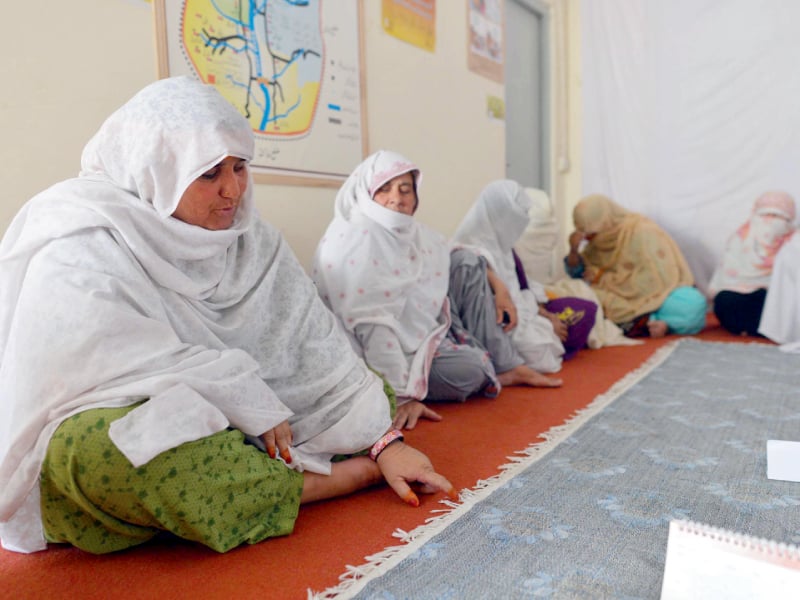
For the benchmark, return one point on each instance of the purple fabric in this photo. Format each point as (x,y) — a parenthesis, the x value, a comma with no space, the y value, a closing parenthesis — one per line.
(521,277)
(579,315)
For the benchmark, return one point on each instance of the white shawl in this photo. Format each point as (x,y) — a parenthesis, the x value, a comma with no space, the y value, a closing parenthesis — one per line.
(105,300)
(386,276)
(780,319)
(492,226)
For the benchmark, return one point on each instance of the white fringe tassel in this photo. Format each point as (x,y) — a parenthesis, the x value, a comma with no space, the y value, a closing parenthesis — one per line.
(356,578)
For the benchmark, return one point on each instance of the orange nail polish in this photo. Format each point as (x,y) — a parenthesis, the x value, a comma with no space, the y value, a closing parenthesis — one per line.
(453,494)
(286,456)
(411,498)
(271,452)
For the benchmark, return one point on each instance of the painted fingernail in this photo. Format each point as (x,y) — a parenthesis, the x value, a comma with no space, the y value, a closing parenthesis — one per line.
(411,498)
(452,494)
(271,452)
(286,456)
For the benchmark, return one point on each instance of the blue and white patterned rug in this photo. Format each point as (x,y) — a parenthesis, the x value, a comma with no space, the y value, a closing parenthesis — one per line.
(585,514)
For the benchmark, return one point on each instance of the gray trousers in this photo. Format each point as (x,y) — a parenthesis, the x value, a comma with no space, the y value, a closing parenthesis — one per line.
(476,348)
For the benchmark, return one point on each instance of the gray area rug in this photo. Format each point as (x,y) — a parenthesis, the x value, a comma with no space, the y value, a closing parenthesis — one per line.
(585,514)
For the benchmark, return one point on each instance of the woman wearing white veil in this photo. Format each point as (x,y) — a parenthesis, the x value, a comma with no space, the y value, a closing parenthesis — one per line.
(150,322)
(492,225)
(422,318)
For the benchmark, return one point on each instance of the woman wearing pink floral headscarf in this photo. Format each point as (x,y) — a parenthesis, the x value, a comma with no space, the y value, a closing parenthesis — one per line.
(739,285)
(423,318)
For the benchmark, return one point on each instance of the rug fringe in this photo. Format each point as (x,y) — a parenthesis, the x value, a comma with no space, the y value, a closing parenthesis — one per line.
(355,578)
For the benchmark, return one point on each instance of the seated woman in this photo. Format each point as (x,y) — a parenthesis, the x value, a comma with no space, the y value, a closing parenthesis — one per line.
(492,226)
(739,285)
(150,324)
(635,268)
(423,319)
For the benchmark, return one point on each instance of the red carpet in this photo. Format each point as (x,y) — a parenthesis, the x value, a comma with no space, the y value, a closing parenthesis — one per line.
(472,441)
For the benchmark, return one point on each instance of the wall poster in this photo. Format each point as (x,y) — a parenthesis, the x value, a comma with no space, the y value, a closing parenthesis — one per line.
(486,45)
(413,21)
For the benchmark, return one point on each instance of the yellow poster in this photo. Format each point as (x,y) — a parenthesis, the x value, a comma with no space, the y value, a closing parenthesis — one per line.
(496,108)
(413,21)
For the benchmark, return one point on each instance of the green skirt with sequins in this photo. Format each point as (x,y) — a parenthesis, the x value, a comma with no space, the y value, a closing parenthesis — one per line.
(218,491)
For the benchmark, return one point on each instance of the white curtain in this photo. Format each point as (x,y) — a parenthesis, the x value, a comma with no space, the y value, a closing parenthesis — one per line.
(691,111)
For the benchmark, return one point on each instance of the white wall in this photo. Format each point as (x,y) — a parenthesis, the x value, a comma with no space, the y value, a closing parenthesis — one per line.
(691,113)
(84,58)
(65,68)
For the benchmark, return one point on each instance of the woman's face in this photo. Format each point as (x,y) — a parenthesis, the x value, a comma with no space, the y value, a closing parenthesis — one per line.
(769,228)
(211,200)
(398,194)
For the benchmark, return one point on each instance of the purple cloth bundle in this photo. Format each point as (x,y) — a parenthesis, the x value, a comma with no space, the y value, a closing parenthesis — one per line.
(579,315)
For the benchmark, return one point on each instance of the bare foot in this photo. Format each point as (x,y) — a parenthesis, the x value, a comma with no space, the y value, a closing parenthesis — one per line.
(346,477)
(524,375)
(657,329)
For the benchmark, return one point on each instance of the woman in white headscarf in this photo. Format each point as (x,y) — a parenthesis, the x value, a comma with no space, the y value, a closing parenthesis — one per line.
(150,323)
(423,319)
(739,285)
(492,226)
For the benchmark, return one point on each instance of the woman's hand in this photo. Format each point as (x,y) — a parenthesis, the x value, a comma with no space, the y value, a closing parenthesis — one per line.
(402,465)
(409,413)
(279,437)
(574,257)
(575,239)
(505,309)
(561,329)
(591,275)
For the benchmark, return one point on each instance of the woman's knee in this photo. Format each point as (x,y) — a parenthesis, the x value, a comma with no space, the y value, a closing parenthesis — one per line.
(457,378)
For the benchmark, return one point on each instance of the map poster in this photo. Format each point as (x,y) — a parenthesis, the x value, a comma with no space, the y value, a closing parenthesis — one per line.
(413,21)
(292,68)
(486,46)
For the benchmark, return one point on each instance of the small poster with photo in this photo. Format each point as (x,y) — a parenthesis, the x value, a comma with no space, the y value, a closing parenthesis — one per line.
(486,40)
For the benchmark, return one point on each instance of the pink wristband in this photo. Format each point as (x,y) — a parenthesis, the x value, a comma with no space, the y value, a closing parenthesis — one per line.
(387,438)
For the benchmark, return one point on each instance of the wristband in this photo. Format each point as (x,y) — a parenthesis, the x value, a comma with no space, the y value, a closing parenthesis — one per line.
(392,436)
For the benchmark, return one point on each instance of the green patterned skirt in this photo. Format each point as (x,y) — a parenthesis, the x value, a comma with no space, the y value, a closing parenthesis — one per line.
(218,491)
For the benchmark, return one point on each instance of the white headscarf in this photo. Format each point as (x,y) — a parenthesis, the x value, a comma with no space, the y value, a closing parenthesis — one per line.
(491,227)
(494,224)
(386,276)
(105,300)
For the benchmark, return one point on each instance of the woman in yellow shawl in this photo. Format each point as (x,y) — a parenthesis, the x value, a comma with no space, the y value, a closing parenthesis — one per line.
(635,268)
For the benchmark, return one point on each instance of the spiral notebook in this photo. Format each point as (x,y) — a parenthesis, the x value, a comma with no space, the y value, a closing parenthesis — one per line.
(708,562)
